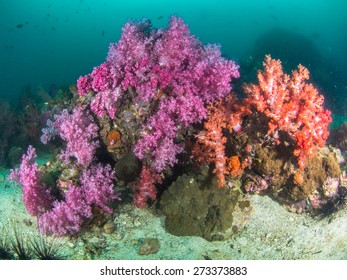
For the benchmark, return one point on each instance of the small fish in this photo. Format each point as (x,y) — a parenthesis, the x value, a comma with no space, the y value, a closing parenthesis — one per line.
(160,17)
(103,32)
(20,25)
(53,28)
(273,17)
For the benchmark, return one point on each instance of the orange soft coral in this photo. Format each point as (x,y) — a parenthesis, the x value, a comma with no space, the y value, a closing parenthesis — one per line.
(223,115)
(292,105)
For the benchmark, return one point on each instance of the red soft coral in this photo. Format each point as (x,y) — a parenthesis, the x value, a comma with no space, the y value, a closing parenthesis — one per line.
(145,187)
(292,105)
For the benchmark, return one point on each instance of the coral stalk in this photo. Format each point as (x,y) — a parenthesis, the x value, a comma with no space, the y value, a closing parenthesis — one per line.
(145,187)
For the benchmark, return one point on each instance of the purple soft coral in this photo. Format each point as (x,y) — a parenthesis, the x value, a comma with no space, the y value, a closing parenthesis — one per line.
(169,68)
(80,132)
(36,196)
(97,183)
(67,216)
(158,146)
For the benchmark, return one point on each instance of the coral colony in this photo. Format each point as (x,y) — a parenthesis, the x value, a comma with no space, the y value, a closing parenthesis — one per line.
(291,107)
(161,100)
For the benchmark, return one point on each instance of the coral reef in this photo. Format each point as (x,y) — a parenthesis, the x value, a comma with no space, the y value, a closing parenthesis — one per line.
(152,89)
(127,123)
(158,119)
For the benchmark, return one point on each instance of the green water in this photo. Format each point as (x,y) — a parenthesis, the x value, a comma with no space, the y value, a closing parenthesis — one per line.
(54,42)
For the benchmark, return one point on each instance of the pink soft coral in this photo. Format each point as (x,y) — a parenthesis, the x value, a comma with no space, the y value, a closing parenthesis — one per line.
(36,196)
(68,215)
(97,184)
(169,69)
(80,133)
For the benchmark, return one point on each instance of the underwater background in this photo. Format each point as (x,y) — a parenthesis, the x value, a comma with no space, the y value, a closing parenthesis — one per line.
(285,184)
(52,43)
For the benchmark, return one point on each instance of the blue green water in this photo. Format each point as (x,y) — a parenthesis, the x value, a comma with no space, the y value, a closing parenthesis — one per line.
(54,42)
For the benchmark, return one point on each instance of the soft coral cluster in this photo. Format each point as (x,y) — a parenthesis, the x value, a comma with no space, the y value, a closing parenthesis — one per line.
(169,68)
(292,105)
(144,102)
(152,88)
(96,189)
(61,216)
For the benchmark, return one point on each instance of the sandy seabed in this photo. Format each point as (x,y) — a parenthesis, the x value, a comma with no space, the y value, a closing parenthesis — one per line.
(272,233)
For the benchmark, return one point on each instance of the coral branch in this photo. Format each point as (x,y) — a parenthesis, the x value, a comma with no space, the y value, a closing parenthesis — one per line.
(36,197)
(224,115)
(79,131)
(98,186)
(67,216)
